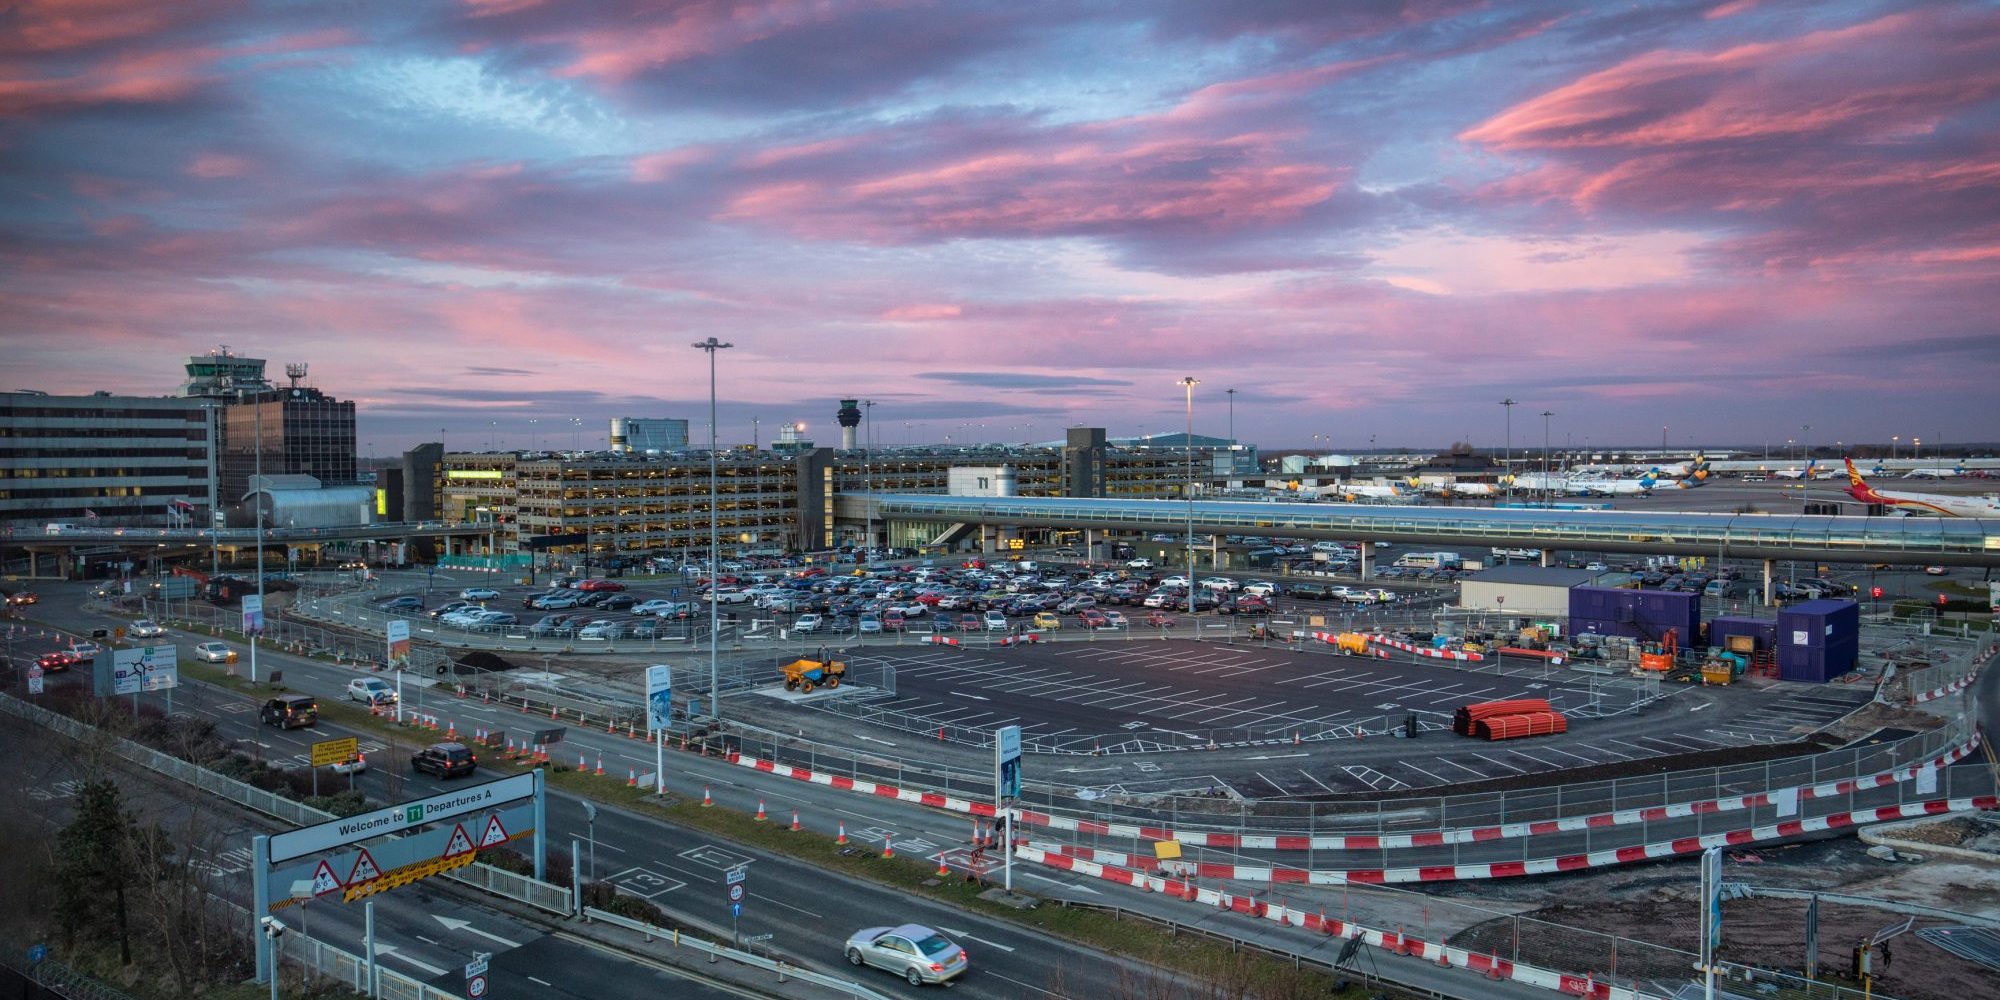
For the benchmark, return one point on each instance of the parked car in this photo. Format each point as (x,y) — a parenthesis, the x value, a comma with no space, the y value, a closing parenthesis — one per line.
(869,623)
(445,760)
(913,951)
(599,585)
(478,594)
(146,628)
(1140,563)
(448,607)
(601,629)
(996,621)
(1047,621)
(371,691)
(290,711)
(407,602)
(1160,619)
(213,652)
(808,624)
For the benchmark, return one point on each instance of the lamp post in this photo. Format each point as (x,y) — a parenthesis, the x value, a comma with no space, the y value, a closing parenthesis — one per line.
(258,415)
(712,345)
(867,474)
(1509,404)
(1894,440)
(1188,383)
(1548,488)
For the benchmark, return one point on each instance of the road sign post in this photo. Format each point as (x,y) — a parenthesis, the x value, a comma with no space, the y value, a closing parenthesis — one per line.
(735,887)
(475,976)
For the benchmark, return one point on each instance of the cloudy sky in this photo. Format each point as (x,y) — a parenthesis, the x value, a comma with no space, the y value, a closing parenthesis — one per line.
(1374,220)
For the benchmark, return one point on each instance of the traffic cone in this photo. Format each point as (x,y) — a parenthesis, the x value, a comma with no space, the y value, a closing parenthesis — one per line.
(600,765)
(940,734)
(795,821)
(631,778)
(610,727)
(842,838)
(889,845)
(705,800)
(760,811)
(552,713)
(582,766)
(452,734)
(1444,958)
(943,870)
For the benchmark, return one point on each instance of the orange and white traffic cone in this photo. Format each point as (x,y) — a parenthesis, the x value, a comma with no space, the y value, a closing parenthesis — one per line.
(944,871)
(610,727)
(631,778)
(452,734)
(706,801)
(760,811)
(889,845)
(552,713)
(600,765)
(842,838)
(582,766)
(795,821)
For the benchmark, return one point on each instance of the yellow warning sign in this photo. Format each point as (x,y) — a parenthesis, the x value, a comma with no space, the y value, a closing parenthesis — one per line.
(398,877)
(335,751)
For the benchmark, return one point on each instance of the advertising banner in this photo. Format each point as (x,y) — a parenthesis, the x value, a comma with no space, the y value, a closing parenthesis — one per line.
(659,697)
(399,642)
(253,613)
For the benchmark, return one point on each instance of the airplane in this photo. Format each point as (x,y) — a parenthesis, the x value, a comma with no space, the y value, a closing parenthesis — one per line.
(1349,491)
(1696,475)
(1480,489)
(1619,487)
(1811,471)
(1951,473)
(1940,504)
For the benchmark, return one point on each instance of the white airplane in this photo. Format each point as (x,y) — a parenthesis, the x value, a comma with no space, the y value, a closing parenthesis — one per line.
(1951,473)
(1619,487)
(1940,504)
(1811,471)
(1351,491)
(1480,489)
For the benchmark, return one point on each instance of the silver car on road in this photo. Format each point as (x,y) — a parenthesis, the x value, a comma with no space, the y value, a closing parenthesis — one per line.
(913,951)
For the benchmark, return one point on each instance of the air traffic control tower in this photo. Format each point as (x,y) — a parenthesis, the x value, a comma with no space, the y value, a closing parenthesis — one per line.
(849,416)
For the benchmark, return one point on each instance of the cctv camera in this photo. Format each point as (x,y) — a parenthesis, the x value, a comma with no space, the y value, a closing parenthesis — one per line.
(273,927)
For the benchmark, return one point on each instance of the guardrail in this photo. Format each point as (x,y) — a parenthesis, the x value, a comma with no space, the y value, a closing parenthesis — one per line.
(784,970)
(541,895)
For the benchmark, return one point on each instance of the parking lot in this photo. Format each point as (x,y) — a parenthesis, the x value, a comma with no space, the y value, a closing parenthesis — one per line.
(1288,723)
(1140,696)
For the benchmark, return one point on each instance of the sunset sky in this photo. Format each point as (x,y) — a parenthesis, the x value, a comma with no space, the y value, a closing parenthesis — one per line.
(1373,219)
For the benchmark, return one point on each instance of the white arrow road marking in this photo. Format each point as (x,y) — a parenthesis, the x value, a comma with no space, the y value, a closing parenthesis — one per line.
(1275,756)
(872,739)
(389,950)
(968,936)
(1066,885)
(1699,707)
(455,924)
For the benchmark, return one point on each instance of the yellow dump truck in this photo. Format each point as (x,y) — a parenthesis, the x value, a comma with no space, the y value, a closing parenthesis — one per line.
(803,675)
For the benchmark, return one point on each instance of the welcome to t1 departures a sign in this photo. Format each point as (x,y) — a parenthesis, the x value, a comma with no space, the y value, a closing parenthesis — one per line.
(395,819)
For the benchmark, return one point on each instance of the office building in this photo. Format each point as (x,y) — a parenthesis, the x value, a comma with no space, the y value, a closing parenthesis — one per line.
(304,432)
(108,459)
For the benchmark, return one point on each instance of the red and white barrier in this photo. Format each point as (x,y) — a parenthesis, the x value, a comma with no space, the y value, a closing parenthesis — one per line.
(1367,842)
(1947,690)
(941,640)
(1136,866)
(1427,651)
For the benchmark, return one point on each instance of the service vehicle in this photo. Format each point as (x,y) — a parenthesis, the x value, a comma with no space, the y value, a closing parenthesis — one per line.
(803,675)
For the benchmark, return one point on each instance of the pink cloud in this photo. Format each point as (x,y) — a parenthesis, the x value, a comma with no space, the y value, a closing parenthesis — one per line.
(45,26)
(1882,80)
(136,78)
(923,312)
(704,27)
(210,166)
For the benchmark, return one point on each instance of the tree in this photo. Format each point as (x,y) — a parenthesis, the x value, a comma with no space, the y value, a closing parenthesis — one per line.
(93,866)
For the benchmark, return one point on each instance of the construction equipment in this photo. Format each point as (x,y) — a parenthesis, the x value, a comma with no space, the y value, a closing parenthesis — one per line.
(1661,655)
(803,675)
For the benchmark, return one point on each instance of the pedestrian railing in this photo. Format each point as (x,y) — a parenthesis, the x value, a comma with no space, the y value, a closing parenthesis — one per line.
(785,971)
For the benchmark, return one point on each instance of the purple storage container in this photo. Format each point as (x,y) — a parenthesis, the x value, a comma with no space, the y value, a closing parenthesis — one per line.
(1639,614)
(1818,640)
(1764,630)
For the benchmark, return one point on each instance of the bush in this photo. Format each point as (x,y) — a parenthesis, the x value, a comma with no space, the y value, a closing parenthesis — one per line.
(604,896)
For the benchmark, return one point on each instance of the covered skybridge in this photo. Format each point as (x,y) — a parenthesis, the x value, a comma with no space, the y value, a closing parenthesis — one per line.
(1766,537)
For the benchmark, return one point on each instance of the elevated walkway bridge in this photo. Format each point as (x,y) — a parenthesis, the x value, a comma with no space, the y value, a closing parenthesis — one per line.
(1909,541)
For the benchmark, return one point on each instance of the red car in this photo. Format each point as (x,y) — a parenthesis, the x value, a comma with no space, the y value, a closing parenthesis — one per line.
(61,659)
(594,585)
(1160,619)
(1093,619)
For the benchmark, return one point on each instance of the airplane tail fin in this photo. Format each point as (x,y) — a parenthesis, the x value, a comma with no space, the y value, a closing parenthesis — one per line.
(1853,477)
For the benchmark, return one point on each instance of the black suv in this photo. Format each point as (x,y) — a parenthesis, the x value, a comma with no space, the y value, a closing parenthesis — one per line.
(446,760)
(290,711)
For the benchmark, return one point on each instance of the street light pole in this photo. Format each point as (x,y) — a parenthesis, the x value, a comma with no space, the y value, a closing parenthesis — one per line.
(867,474)
(712,345)
(1188,384)
(1548,488)
(1509,403)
